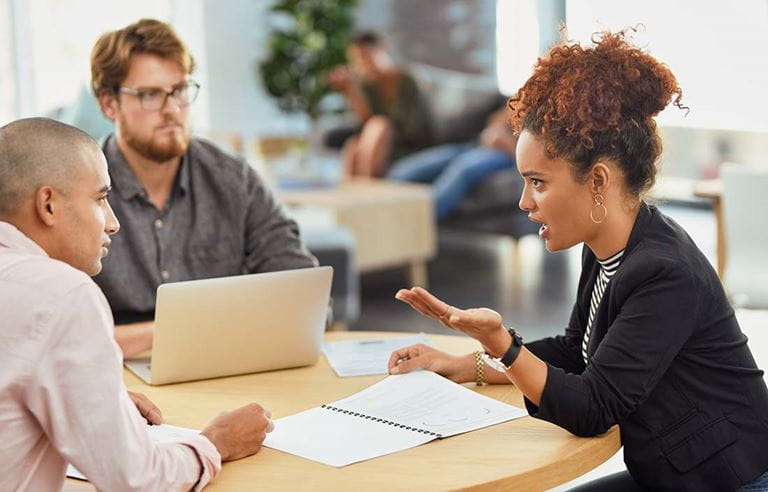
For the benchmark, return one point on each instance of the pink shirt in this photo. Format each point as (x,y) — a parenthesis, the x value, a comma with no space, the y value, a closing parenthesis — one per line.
(62,397)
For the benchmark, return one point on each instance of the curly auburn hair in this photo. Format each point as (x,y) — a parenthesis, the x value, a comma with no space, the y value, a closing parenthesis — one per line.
(111,55)
(598,103)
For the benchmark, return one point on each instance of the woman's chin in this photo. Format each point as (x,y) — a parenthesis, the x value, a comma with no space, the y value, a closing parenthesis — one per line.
(553,246)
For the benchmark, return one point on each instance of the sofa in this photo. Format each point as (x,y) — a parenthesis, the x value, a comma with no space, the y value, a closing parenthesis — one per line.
(460,104)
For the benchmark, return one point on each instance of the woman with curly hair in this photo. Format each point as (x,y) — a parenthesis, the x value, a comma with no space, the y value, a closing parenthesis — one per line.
(652,344)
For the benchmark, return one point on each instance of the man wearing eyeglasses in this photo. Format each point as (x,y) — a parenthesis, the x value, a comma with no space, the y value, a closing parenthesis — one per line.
(188,210)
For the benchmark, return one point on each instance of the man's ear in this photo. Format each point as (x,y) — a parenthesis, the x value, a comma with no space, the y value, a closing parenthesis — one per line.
(108,104)
(46,205)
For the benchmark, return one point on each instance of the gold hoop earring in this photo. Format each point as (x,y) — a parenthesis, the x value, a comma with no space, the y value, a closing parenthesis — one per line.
(599,203)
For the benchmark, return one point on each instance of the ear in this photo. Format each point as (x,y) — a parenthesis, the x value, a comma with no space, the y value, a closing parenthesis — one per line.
(109,104)
(600,177)
(46,205)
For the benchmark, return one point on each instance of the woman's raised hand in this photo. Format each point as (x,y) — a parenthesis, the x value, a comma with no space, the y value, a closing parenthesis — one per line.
(483,324)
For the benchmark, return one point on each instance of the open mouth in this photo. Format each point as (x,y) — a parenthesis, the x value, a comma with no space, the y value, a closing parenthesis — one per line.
(543,229)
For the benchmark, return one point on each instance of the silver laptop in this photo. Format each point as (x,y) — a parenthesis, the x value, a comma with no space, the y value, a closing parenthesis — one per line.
(237,325)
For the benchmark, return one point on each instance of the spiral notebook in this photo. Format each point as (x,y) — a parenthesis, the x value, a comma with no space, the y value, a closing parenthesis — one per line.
(398,413)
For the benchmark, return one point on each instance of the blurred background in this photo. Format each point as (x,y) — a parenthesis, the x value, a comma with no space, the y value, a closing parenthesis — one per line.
(714,48)
(262,66)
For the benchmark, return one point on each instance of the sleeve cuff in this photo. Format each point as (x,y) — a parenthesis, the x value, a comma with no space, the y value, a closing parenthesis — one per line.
(208,457)
(547,407)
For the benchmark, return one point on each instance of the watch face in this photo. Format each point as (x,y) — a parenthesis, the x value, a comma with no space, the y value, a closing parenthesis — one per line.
(494,363)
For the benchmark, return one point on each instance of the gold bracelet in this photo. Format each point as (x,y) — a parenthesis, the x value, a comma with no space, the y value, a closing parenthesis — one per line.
(479,366)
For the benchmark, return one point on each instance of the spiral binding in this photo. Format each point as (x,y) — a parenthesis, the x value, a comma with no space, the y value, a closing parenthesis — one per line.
(383,421)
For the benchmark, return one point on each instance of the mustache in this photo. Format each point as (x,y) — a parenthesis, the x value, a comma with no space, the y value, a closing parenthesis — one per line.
(171,120)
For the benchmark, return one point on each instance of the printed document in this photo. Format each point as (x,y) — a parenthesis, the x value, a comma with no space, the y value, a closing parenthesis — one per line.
(366,357)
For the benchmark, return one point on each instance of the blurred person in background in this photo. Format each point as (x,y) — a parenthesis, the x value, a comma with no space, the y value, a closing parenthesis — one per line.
(393,117)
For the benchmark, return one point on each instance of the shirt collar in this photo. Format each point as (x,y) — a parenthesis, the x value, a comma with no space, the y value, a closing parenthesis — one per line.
(125,182)
(11,237)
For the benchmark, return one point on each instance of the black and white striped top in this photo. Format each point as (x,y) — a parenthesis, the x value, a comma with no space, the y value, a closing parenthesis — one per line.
(607,268)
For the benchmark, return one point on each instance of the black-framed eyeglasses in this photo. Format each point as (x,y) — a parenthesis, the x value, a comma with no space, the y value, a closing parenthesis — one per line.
(156,98)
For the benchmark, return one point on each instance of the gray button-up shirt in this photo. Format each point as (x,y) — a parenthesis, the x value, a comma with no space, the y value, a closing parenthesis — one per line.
(220,220)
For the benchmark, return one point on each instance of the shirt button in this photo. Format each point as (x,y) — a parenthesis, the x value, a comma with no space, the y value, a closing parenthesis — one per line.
(165,274)
(158,224)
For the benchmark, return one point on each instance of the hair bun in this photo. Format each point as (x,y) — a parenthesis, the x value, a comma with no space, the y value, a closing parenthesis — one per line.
(597,101)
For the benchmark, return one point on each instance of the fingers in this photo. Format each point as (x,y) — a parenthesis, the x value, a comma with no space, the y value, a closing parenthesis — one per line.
(154,417)
(260,413)
(146,408)
(270,424)
(425,303)
(406,353)
(240,432)
(476,319)
(436,305)
(419,306)
(408,365)
(394,359)
(410,358)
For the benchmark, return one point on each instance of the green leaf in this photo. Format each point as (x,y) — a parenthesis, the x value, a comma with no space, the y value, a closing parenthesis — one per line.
(300,56)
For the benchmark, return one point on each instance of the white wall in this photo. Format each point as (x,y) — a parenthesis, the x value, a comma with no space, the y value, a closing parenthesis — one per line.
(236,36)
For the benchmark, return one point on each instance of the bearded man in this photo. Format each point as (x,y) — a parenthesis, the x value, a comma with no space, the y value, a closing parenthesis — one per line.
(188,209)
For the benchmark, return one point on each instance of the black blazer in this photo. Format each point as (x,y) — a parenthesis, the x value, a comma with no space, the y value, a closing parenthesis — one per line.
(668,364)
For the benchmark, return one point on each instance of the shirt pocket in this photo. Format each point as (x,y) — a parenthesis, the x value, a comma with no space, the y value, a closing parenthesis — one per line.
(693,439)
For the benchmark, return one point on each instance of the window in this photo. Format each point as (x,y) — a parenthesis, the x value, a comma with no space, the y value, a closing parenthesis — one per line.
(56,37)
(517,43)
(716,51)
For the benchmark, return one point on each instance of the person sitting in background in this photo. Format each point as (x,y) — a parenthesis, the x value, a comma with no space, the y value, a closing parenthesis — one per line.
(455,169)
(189,210)
(394,119)
(652,344)
(61,382)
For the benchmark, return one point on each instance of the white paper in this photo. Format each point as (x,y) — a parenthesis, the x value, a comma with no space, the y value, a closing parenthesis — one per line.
(424,406)
(424,400)
(366,357)
(158,433)
(336,439)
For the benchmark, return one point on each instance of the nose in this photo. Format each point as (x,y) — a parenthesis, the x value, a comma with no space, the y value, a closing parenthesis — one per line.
(526,202)
(171,105)
(112,225)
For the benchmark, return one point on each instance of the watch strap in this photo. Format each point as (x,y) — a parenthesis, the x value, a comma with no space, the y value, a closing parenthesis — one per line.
(513,351)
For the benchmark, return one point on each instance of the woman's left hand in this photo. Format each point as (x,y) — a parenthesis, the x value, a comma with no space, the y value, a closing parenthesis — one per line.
(483,324)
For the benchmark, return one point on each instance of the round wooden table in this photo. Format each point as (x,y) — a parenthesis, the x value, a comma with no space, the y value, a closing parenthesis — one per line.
(523,454)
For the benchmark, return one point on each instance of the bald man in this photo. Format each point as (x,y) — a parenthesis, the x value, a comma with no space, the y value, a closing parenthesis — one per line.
(62,398)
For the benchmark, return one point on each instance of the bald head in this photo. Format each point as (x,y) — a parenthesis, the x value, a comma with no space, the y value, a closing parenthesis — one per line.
(35,152)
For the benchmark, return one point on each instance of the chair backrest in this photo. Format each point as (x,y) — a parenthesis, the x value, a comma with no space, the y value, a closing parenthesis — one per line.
(745,218)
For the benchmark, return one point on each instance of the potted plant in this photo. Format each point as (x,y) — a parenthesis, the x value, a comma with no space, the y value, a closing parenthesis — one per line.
(308,39)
